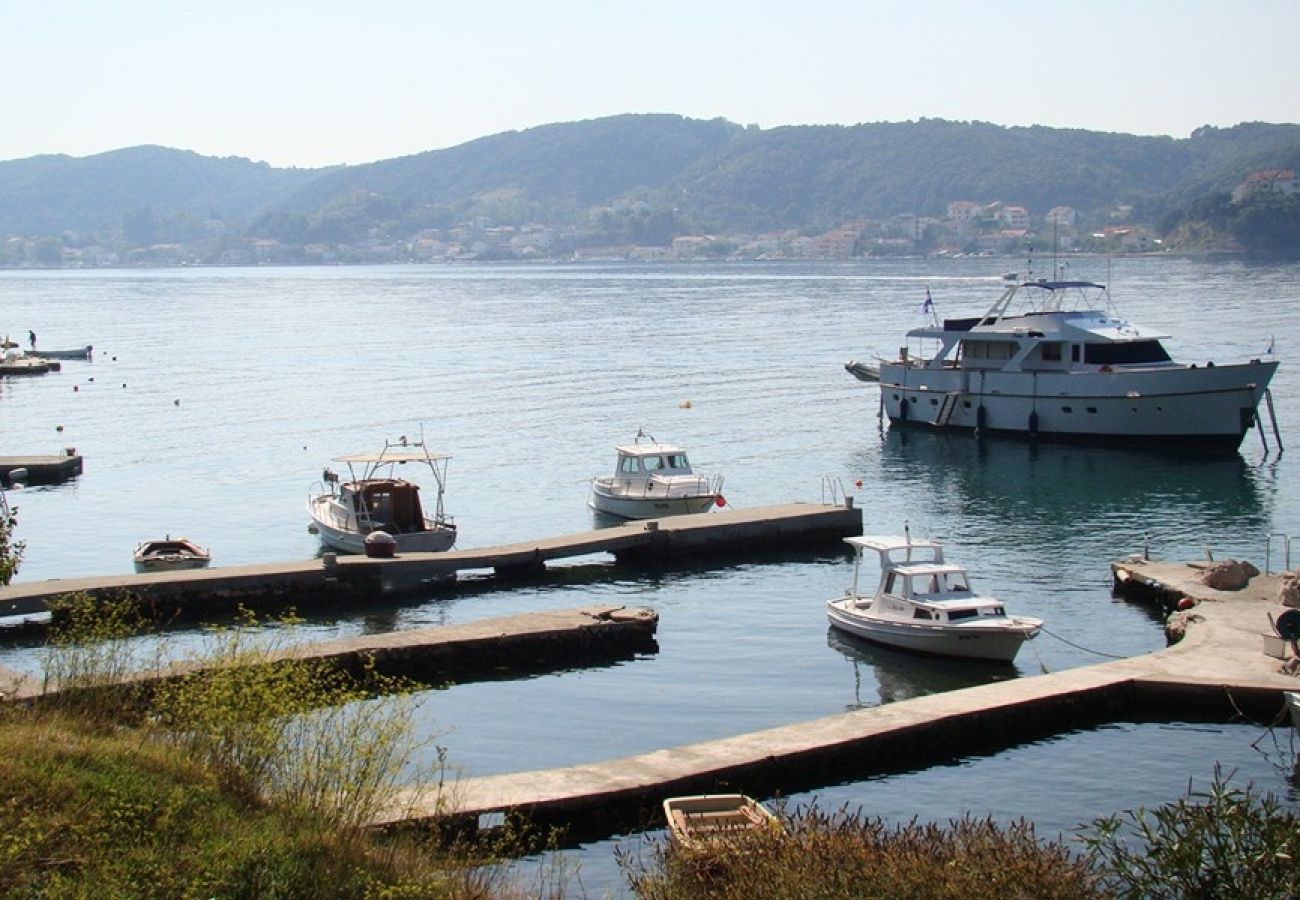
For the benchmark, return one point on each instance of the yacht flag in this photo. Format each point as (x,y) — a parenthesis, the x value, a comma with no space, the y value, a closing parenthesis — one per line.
(928,305)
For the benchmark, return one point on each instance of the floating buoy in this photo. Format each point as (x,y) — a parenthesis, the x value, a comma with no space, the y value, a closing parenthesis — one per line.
(75,388)
(685,404)
(176,402)
(858,483)
(58,428)
(124,384)
(722,501)
(91,378)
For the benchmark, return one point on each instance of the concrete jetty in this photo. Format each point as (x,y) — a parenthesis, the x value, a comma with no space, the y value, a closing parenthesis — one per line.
(520,644)
(1217,670)
(42,469)
(335,578)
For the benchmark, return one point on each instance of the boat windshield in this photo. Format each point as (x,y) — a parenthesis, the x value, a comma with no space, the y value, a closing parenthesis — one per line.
(1126,353)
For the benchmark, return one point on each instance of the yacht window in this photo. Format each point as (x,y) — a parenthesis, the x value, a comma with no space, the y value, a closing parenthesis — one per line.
(957,583)
(1067,409)
(1125,353)
(1074,352)
(678,461)
(653,463)
(1051,351)
(988,349)
(922,614)
(957,614)
(999,611)
(889,583)
(630,466)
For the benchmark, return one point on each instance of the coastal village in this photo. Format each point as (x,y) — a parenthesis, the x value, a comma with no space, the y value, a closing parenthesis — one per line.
(969,227)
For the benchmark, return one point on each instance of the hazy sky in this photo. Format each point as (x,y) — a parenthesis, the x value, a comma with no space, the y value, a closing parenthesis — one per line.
(298,83)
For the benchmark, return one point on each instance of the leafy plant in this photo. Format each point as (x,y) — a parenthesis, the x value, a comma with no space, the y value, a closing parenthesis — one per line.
(11,551)
(1222,842)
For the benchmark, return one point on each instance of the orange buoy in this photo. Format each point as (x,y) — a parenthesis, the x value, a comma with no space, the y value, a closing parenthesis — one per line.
(722,501)
(858,483)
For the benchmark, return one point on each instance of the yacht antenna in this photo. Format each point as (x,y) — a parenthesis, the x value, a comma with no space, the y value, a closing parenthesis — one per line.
(1029,276)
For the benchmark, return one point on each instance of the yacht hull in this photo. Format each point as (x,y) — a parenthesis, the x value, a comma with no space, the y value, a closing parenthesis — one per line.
(998,643)
(1201,408)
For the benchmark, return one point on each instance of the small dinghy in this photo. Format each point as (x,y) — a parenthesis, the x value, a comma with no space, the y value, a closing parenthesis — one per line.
(697,821)
(170,554)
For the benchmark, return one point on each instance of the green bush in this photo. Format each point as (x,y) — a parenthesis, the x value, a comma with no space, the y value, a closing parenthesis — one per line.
(1222,842)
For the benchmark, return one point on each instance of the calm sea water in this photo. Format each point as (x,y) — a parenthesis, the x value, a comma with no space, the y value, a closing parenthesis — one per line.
(216,397)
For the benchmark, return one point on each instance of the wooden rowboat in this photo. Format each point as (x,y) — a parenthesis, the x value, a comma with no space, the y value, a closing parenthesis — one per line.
(697,821)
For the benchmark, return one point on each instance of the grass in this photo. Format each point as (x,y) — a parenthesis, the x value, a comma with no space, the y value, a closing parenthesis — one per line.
(248,774)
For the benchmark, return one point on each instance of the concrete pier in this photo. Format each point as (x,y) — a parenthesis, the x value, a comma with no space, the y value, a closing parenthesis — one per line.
(1217,670)
(522,644)
(46,469)
(337,578)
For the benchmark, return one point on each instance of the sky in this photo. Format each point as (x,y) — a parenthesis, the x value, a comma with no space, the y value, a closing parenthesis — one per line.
(310,84)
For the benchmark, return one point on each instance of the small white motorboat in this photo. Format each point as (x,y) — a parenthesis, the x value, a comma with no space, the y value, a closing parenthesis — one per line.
(373,499)
(1293,704)
(651,480)
(696,821)
(170,554)
(926,605)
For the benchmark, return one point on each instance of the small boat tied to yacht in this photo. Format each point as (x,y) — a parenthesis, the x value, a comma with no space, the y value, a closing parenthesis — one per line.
(651,480)
(926,605)
(170,555)
(1053,360)
(373,501)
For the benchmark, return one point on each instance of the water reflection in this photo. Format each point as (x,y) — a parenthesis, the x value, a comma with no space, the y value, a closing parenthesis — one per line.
(1049,494)
(895,675)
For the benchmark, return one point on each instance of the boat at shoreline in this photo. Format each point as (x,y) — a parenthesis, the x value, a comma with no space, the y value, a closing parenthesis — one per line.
(346,513)
(1052,360)
(926,605)
(170,554)
(696,821)
(651,480)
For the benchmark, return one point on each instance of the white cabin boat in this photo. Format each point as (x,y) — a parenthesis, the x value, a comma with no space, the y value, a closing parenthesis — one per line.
(372,499)
(1053,360)
(695,822)
(651,480)
(926,605)
(169,555)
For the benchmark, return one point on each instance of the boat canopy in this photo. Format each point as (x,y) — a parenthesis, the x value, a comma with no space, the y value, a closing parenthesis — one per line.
(648,449)
(393,456)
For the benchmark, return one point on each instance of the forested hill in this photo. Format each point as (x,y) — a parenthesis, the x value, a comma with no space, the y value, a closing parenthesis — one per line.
(46,195)
(709,175)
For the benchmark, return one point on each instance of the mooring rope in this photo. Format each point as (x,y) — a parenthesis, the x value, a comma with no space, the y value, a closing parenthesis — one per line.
(1081,647)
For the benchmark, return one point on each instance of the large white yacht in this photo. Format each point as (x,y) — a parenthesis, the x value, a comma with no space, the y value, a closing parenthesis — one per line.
(1053,359)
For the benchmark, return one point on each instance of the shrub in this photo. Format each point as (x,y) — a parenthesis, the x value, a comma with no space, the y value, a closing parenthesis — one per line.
(1223,842)
(846,855)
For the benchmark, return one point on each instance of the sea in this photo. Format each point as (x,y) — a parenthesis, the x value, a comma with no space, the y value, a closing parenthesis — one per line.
(216,396)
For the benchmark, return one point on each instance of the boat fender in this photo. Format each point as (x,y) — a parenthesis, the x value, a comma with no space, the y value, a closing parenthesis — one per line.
(902,409)
(979,416)
(721,501)
(1033,422)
